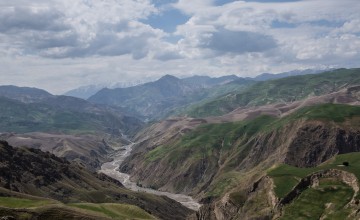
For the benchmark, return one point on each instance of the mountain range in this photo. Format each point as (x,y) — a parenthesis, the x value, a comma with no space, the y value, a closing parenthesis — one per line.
(30,109)
(238,163)
(85,92)
(154,100)
(271,147)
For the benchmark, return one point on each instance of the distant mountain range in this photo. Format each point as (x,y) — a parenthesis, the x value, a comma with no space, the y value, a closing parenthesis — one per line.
(270,76)
(155,99)
(283,90)
(86,92)
(24,94)
(30,109)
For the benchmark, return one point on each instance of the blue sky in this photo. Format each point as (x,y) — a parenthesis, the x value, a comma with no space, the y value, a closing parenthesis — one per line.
(82,42)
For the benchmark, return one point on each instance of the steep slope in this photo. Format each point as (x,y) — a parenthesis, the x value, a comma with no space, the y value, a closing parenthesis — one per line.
(155,99)
(88,150)
(30,171)
(284,90)
(211,160)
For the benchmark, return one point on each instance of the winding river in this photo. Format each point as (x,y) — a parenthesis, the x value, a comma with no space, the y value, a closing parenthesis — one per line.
(112,169)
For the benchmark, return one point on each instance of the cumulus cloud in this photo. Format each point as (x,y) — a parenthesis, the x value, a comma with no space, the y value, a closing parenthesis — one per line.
(238,42)
(16,19)
(82,28)
(79,39)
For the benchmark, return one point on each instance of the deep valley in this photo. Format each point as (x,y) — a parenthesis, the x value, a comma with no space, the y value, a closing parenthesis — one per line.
(285,147)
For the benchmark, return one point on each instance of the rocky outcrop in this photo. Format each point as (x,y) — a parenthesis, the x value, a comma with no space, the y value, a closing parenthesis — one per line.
(259,201)
(316,142)
(256,202)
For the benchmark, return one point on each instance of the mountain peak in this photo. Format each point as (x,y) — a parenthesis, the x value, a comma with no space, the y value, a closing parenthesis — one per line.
(168,77)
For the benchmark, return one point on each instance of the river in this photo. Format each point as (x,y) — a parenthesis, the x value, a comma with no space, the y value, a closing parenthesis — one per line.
(112,169)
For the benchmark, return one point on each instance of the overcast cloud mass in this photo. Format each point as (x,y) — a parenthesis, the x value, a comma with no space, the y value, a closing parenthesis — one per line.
(58,45)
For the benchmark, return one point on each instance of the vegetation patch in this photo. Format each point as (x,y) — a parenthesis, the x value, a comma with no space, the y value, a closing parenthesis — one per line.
(115,211)
(327,201)
(286,177)
(11,202)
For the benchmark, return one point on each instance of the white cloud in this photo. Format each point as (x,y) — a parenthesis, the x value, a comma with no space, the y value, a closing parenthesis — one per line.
(79,42)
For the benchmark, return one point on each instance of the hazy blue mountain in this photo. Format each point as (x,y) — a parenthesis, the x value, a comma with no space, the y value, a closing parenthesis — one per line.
(84,92)
(155,99)
(24,94)
(269,76)
(207,81)
(30,109)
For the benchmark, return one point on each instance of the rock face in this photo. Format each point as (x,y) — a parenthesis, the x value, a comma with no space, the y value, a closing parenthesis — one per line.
(302,144)
(317,142)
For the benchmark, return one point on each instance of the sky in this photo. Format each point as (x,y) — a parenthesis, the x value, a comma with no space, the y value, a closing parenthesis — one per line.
(59,45)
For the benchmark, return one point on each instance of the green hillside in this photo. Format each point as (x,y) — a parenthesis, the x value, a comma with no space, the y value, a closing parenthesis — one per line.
(278,91)
(231,147)
(312,202)
(21,117)
(24,209)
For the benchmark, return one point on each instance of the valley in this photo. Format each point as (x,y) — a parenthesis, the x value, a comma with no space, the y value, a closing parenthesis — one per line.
(180,110)
(112,169)
(194,148)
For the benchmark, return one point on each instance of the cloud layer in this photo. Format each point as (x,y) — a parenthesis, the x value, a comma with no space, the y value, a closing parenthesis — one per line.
(89,41)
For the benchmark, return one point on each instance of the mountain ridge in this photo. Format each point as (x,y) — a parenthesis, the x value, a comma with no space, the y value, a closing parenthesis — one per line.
(154,100)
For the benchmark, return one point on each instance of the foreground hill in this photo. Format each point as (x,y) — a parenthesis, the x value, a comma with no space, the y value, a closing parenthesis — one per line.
(283,90)
(26,173)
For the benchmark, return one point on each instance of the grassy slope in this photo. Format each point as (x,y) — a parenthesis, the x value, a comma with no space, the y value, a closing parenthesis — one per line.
(207,95)
(283,172)
(328,199)
(231,140)
(115,211)
(44,207)
(281,90)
